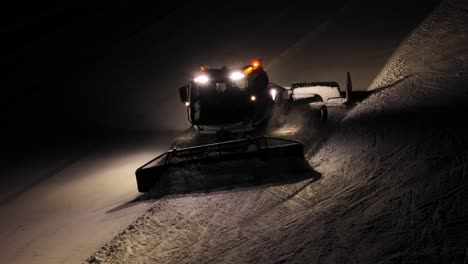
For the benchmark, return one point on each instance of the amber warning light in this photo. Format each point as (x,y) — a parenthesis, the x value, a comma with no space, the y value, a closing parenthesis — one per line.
(255,65)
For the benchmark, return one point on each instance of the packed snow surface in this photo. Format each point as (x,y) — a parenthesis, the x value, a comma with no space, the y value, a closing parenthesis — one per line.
(66,207)
(391,185)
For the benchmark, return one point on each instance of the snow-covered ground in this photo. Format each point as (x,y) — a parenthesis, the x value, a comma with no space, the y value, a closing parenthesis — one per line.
(438,45)
(392,188)
(62,206)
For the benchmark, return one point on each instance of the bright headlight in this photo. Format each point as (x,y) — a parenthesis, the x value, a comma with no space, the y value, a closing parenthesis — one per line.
(273,93)
(236,76)
(201,79)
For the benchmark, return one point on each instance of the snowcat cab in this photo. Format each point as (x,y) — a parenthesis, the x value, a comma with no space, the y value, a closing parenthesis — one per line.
(226,98)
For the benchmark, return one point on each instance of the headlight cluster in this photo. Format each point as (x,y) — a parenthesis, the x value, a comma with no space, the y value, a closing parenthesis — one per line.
(235,76)
(201,79)
(273,93)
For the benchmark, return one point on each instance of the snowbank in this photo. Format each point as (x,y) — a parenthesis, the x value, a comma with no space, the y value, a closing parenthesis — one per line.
(400,156)
(438,45)
(398,166)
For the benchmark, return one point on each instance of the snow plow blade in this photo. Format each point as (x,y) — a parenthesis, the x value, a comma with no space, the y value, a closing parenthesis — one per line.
(269,150)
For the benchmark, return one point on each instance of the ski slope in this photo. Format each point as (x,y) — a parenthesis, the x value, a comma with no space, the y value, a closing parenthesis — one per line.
(392,185)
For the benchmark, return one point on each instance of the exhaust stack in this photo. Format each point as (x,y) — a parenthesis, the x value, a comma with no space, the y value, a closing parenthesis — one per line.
(349,90)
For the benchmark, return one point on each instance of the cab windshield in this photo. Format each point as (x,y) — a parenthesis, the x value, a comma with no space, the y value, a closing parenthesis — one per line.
(220,101)
(223,86)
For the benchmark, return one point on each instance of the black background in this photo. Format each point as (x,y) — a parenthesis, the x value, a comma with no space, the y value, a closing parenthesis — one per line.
(83,68)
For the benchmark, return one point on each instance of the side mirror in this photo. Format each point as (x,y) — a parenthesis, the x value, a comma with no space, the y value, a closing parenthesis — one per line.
(183,93)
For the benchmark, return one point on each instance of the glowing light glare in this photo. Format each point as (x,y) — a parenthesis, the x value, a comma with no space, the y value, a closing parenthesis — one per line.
(187,104)
(256,63)
(253,98)
(273,93)
(201,79)
(248,70)
(236,76)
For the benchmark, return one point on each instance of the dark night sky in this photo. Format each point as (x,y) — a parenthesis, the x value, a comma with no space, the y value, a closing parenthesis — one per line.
(80,66)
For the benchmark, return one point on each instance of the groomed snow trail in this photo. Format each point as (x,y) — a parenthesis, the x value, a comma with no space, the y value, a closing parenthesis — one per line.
(393,185)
